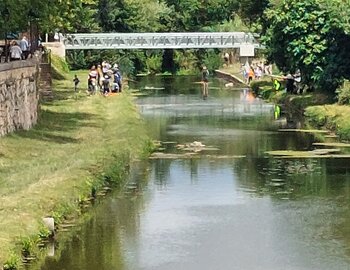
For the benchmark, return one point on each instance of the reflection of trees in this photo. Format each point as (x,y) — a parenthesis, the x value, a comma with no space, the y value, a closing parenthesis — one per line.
(293,178)
(161,169)
(193,168)
(100,242)
(95,246)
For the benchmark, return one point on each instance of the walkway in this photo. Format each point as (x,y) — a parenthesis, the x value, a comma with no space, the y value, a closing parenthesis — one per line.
(160,40)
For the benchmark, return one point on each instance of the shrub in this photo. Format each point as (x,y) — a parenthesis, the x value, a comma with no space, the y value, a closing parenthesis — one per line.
(212,59)
(154,64)
(12,262)
(343,93)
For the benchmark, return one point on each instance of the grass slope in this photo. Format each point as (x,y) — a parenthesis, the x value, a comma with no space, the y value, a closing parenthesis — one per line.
(77,138)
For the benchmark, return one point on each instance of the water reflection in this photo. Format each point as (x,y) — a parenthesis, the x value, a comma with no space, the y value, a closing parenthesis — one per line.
(254,212)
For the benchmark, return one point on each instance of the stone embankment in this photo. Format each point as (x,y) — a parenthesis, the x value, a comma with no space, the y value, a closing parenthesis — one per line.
(19,95)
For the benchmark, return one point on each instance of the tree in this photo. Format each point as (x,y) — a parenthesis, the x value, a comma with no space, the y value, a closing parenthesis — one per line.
(309,35)
(131,15)
(252,12)
(51,15)
(66,16)
(193,15)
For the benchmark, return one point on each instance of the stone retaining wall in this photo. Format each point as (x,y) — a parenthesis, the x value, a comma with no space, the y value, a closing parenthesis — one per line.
(19,95)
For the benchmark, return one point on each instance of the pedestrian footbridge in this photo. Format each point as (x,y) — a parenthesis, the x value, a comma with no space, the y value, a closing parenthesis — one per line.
(205,40)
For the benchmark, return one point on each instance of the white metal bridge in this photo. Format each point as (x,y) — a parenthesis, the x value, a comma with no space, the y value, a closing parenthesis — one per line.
(160,40)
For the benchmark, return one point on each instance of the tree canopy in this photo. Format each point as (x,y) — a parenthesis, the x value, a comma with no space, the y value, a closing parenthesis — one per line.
(311,36)
(51,15)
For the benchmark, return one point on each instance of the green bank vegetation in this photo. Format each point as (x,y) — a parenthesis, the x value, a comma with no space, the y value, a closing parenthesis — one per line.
(80,145)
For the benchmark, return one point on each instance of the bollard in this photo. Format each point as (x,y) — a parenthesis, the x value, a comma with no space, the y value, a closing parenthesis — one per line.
(49,222)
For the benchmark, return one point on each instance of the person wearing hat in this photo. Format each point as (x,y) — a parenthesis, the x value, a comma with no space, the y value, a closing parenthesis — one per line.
(117,82)
(205,74)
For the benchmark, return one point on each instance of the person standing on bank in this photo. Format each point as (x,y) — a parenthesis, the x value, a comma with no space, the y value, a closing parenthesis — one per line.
(205,75)
(117,78)
(24,45)
(76,82)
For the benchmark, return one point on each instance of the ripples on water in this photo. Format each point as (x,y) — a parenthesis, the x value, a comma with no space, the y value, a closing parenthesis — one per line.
(255,212)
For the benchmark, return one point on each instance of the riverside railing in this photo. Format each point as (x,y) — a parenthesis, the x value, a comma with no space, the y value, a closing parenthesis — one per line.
(160,40)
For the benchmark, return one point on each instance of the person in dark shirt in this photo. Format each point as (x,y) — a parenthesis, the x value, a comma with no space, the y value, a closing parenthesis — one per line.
(76,82)
(105,85)
(205,75)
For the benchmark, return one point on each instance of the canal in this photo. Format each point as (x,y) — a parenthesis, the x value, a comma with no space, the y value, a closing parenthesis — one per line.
(213,198)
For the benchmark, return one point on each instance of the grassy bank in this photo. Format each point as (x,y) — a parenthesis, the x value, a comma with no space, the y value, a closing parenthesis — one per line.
(80,144)
(332,117)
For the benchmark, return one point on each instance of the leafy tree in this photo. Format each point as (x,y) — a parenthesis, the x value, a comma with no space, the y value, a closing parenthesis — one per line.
(68,15)
(193,15)
(309,35)
(252,11)
(131,15)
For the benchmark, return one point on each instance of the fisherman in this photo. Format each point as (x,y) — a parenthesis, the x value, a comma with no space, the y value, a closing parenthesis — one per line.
(205,74)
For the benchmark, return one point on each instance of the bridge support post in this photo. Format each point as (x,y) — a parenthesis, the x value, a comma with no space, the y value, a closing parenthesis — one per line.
(57,48)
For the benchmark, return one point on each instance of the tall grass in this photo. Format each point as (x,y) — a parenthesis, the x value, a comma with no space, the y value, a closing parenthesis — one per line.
(44,171)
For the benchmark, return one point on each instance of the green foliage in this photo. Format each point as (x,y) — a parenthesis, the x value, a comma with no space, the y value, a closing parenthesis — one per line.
(251,11)
(27,245)
(332,117)
(154,63)
(308,35)
(185,60)
(212,59)
(12,262)
(62,211)
(59,63)
(234,24)
(132,15)
(263,89)
(59,67)
(193,15)
(316,115)
(69,15)
(76,59)
(343,93)
(44,232)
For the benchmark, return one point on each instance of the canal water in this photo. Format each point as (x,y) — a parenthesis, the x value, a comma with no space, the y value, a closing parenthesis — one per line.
(227,206)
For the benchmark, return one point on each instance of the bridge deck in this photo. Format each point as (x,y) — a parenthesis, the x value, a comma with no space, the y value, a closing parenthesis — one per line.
(159,40)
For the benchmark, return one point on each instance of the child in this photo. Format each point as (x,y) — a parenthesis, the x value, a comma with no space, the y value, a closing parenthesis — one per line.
(76,82)
(105,85)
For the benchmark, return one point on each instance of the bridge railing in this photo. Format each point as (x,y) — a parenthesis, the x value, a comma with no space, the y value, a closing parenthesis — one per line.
(160,40)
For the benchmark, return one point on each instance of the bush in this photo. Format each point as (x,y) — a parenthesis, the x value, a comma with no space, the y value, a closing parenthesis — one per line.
(12,262)
(212,59)
(316,115)
(185,61)
(343,93)
(76,60)
(154,64)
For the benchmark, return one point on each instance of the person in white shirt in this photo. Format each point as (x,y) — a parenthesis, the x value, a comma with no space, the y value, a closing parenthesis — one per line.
(24,45)
(15,52)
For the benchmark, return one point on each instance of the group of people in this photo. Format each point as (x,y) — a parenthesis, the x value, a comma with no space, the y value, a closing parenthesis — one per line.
(104,78)
(255,71)
(18,50)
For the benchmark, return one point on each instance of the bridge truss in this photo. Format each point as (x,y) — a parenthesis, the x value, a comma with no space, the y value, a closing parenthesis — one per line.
(160,40)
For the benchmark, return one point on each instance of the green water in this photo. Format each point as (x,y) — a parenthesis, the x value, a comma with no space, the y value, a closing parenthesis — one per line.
(217,212)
